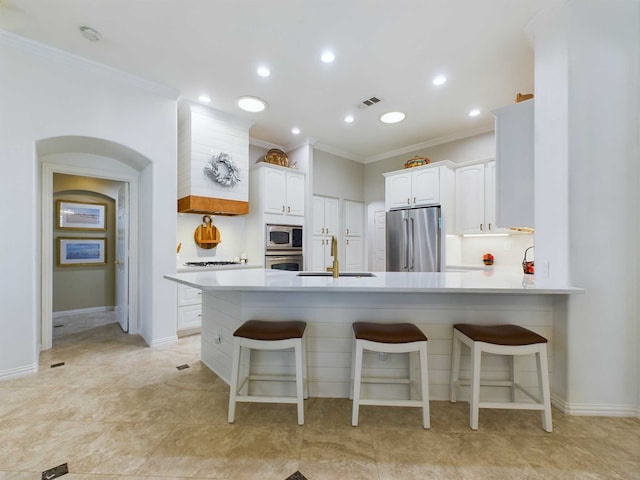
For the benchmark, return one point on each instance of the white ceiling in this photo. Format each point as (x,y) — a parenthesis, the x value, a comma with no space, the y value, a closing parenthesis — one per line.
(386,48)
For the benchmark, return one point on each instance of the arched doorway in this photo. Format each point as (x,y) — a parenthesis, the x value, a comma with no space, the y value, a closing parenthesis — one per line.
(94,158)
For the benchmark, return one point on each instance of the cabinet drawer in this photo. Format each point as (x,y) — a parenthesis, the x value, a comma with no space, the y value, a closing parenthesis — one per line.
(189,316)
(189,295)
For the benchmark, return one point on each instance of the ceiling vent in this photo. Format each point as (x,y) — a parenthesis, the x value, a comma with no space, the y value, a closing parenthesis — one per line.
(368,102)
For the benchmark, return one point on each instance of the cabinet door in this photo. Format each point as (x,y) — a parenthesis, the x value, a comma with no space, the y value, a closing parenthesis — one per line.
(490,197)
(354,254)
(189,317)
(295,194)
(189,295)
(470,199)
(353,218)
(320,251)
(397,191)
(318,226)
(426,187)
(275,193)
(331,214)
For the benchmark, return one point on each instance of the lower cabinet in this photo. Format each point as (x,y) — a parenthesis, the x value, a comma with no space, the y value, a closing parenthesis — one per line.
(189,308)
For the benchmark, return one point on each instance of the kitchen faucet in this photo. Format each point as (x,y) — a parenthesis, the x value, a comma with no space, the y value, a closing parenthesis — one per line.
(334,269)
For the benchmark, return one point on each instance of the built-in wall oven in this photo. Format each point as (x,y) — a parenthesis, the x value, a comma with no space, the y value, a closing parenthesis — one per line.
(283,247)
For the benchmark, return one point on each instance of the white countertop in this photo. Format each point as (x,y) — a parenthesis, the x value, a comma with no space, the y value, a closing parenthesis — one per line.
(478,281)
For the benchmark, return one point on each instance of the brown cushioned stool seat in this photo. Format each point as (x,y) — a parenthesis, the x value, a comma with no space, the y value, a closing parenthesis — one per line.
(264,330)
(268,335)
(511,340)
(391,338)
(388,332)
(500,334)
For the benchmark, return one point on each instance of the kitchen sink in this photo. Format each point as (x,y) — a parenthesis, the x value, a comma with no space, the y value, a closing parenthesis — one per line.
(342,274)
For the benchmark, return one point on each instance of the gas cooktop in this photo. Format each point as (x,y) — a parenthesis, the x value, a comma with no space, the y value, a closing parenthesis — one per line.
(209,263)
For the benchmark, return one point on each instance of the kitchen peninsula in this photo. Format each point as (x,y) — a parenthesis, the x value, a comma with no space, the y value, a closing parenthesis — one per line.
(433,301)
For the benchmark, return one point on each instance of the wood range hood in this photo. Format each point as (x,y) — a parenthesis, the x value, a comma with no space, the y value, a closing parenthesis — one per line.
(217,206)
(203,135)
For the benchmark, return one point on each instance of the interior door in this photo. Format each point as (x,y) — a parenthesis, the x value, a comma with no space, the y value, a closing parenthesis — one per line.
(122,257)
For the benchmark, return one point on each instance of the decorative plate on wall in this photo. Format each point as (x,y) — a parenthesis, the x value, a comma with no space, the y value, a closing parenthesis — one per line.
(276,156)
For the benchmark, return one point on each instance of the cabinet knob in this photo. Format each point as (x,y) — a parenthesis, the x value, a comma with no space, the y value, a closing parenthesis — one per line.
(414,199)
(288,209)
(282,208)
(489,226)
(347,242)
(408,201)
(481,227)
(347,231)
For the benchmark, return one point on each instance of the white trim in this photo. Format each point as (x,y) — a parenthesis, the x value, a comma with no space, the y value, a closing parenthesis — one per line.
(18,371)
(52,53)
(83,311)
(46,235)
(339,152)
(256,142)
(430,143)
(164,342)
(309,141)
(594,409)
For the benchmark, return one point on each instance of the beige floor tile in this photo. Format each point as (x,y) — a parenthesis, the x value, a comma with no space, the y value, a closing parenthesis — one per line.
(40,445)
(192,451)
(121,448)
(263,453)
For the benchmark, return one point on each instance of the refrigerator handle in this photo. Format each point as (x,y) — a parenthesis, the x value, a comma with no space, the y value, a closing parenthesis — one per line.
(406,244)
(412,245)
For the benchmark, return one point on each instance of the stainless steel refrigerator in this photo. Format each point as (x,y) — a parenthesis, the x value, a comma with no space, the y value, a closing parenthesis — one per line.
(414,240)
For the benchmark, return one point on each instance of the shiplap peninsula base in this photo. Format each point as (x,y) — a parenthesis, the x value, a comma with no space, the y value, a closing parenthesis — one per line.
(434,302)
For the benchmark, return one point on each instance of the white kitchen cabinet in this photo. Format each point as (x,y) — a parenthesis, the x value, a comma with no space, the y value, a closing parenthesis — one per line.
(189,308)
(475,199)
(418,186)
(514,126)
(324,226)
(283,192)
(353,254)
(353,218)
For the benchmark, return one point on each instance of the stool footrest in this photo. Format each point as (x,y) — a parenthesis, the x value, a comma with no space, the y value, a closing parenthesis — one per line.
(264,399)
(391,380)
(512,405)
(392,403)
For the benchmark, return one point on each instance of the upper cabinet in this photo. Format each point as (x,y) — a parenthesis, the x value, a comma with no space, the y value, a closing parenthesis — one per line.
(279,193)
(514,126)
(213,161)
(475,198)
(409,188)
(353,218)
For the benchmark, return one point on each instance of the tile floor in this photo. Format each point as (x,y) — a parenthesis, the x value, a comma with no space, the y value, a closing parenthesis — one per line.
(120,410)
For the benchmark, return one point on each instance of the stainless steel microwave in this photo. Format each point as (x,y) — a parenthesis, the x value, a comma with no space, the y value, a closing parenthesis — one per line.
(283,237)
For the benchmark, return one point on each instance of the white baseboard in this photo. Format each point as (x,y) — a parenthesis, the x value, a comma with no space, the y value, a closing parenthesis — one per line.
(18,372)
(595,410)
(164,342)
(82,311)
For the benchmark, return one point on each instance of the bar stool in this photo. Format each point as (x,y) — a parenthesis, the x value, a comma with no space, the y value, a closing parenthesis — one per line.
(501,340)
(390,338)
(268,335)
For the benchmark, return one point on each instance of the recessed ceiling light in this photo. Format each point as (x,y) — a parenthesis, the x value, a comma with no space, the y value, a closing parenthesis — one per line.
(349,119)
(392,117)
(204,98)
(327,56)
(474,113)
(439,80)
(90,33)
(251,104)
(263,71)
(295,130)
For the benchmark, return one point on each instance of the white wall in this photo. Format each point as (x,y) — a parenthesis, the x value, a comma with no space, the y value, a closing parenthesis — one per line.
(46,93)
(586,196)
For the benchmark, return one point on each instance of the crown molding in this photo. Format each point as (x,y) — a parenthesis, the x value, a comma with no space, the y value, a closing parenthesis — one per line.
(306,141)
(219,115)
(338,152)
(256,142)
(46,51)
(430,143)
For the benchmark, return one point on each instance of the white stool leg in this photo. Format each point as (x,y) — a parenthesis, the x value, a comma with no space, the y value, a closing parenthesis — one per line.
(244,369)
(513,378)
(543,383)
(299,381)
(357,377)
(233,391)
(414,388)
(424,386)
(353,367)
(455,366)
(305,376)
(476,356)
